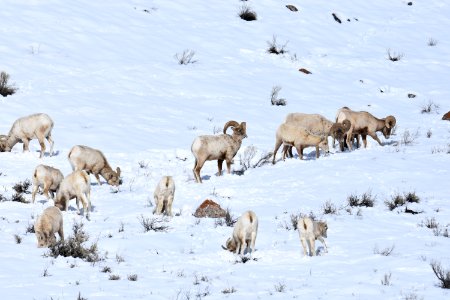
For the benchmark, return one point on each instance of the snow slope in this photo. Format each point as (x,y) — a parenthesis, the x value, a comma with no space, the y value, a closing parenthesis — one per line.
(107,75)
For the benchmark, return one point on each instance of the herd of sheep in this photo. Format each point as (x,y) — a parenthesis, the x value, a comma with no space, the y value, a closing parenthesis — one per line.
(299,131)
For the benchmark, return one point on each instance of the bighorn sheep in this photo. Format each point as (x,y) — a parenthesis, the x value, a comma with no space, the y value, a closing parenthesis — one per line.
(317,124)
(93,161)
(218,147)
(75,185)
(163,195)
(46,178)
(49,222)
(244,234)
(364,123)
(36,126)
(299,138)
(310,231)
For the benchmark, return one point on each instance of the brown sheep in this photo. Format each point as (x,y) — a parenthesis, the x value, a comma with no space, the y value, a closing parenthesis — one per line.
(49,222)
(36,126)
(218,147)
(93,161)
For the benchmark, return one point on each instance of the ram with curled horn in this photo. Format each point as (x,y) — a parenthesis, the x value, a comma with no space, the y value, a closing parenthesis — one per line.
(218,147)
(364,124)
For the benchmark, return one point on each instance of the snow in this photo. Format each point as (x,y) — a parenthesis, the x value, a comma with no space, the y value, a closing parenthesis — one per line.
(108,77)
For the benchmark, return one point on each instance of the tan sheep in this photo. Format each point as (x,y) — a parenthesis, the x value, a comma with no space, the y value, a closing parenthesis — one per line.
(48,179)
(300,138)
(317,124)
(310,231)
(364,123)
(49,222)
(163,195)
(93,161)
(244,234)
(218,147)
(36,126)
(75,185)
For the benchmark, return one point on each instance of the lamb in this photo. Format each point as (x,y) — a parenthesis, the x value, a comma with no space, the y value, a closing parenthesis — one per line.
(300,138)
(364,123)
(218,147)
(36,126)
(244,234)
(75,185)
(93,161)
(46,178)
(310,231)
(49,222)
(163,195)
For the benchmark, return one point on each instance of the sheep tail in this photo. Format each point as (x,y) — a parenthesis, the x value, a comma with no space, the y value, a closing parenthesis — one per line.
(304,224)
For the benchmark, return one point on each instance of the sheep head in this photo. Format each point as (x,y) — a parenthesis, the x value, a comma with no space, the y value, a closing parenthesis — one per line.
(324,144)
(390,122)
(4,146)
(112,177)
(323,227)
(238,129)
(230,245)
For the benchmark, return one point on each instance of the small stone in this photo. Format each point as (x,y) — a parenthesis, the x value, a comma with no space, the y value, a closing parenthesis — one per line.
(304,71)
(291,7)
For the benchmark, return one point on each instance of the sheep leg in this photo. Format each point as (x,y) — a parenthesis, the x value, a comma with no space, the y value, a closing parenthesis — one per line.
(159,205)
(33,194)
(46,187)
(350,138)
(317,151)
(323,242)
(277,146)
(312,242)
(169,206)
(252,244)
(375,137)
(86,205)
(61,231)
(50,141)
(98,178)
(300,151)
(26,143)
(304,244)
(285,150)
(219,165)
(364,139)
(242,246)
(229,166)
(198,166)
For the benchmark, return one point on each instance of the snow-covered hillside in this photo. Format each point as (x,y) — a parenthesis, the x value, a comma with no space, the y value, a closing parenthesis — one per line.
(107,73)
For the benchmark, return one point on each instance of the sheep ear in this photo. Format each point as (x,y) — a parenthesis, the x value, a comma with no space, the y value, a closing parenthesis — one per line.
(223,247)
(118,171)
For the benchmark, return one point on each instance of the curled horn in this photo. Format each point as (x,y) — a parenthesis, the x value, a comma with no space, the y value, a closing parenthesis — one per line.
(346,124)
(223,247)
(244,128)
(390,121)
(228,124)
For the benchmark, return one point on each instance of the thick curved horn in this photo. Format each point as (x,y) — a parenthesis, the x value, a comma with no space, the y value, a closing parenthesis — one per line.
(347,124)
(223,247)
(390,121)
(228,124)
(244,128)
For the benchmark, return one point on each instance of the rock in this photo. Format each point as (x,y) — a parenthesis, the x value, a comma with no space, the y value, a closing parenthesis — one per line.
(304,71)
(336,18)
(209,209)
(446,116)
(291,7)
(410,95)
